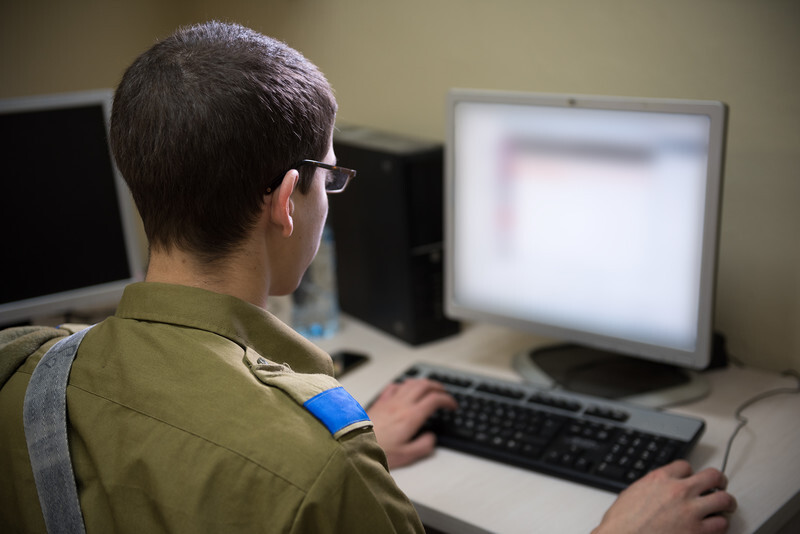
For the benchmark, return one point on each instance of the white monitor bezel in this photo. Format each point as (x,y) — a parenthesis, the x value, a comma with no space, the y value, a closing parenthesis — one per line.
(700,357)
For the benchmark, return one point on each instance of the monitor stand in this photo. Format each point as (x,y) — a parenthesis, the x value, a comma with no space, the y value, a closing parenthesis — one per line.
(610,375)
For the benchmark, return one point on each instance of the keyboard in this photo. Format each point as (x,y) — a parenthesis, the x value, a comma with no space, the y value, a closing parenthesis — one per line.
(585,439)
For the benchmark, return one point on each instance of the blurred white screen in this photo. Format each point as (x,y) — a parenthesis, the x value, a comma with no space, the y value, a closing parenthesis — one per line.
(584,219)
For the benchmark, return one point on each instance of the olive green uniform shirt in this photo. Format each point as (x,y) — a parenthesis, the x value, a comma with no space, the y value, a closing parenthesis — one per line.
(185,415)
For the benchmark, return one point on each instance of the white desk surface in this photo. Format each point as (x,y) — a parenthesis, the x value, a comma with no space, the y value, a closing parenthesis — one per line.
(455,492)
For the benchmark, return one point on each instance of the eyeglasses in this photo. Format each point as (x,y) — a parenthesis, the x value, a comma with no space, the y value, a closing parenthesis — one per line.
(335,182)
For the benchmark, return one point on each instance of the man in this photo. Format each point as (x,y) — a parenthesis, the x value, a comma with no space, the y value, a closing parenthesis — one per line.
(193,409)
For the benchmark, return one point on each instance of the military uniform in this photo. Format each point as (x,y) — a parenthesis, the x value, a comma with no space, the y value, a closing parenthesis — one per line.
(192,411)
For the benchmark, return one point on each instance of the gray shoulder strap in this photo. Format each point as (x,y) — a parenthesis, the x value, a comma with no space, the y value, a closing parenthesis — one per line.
(45,418)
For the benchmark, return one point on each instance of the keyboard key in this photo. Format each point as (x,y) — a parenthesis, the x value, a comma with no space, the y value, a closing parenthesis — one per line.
(611,471)
(503,391)
(607,413)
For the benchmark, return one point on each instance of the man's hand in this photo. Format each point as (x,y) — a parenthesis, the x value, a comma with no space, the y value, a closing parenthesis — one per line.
(399,413)
(672,499)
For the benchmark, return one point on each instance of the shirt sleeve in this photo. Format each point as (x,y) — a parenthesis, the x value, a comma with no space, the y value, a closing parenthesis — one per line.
(355,493)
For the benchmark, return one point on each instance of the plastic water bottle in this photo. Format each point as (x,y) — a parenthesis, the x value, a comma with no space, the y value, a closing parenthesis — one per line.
(315,303)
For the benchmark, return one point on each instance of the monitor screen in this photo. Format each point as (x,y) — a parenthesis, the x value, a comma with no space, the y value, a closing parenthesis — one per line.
(592,220)
(69,223)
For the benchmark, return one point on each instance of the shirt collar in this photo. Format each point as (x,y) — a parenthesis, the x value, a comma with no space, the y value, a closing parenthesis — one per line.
(228,316)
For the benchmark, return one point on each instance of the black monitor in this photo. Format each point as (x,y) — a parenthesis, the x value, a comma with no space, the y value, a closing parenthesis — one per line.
(593,221)
(69,224)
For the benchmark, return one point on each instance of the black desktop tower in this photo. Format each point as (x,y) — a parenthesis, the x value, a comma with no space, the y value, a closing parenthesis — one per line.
(388,232)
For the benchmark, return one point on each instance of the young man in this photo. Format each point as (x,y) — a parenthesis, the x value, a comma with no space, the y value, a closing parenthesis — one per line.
(193,409)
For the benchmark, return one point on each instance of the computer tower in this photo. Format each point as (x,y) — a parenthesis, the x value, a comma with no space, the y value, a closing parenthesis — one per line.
(388,231)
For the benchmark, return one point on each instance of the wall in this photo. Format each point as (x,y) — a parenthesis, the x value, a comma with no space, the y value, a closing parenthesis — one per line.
(48,46)
(391,64)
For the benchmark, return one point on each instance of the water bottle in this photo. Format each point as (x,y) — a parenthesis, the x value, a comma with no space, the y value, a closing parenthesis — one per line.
(315,303)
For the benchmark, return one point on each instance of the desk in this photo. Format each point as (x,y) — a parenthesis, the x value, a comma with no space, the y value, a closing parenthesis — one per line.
(458,493)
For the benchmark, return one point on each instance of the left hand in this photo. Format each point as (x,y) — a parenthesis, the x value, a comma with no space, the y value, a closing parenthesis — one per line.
(399,413)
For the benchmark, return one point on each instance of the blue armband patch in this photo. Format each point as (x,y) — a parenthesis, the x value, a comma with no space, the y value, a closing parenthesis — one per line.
(336,409)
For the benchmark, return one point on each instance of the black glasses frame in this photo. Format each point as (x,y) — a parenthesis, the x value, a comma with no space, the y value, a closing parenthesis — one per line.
(337,180)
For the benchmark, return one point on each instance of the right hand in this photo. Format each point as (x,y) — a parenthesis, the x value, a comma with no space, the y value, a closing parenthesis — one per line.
(672,500)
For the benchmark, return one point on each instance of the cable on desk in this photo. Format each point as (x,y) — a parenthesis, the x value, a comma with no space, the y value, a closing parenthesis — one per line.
(743,420)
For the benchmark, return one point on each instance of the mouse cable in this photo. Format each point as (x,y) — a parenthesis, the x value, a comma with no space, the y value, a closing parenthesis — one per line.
(743,420)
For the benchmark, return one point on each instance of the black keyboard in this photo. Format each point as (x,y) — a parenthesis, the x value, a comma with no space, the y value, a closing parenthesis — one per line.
(585,439)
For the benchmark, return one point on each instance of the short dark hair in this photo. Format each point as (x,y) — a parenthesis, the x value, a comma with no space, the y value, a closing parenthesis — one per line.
(203,120)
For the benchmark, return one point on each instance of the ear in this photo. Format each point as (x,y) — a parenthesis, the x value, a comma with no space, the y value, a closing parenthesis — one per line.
(282,207)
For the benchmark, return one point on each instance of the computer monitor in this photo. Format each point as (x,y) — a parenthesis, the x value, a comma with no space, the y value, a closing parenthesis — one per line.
(593,221)
(69,224)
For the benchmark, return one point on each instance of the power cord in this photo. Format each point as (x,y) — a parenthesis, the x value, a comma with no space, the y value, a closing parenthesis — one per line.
(743,420)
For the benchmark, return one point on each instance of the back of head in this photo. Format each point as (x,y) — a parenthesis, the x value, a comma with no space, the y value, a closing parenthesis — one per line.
(203,120)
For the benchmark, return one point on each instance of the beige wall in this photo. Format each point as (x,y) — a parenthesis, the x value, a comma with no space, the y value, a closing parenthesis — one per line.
(392,63)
